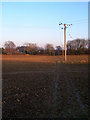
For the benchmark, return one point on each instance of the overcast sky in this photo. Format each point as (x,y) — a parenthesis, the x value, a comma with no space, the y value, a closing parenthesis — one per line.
(37,22)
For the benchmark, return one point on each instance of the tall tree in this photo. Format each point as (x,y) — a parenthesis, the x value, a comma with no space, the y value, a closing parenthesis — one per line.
(77,45)
(49,49)
(9,46)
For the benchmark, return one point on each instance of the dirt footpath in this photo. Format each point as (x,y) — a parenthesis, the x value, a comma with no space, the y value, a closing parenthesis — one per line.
(67,102)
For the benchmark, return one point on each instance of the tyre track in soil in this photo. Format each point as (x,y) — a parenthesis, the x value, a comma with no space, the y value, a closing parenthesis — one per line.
(75,90)
(66,102)
(54,97)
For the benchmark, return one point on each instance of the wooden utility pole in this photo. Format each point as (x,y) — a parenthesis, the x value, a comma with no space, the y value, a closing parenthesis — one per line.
(65,41)
(65,54)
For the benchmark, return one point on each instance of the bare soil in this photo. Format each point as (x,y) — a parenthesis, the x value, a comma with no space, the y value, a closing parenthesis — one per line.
(44,87)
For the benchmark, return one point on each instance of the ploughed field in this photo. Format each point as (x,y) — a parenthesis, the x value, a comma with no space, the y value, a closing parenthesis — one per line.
(44,87)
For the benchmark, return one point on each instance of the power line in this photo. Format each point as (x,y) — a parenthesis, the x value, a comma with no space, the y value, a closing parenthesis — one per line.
(70,35)
(79,20)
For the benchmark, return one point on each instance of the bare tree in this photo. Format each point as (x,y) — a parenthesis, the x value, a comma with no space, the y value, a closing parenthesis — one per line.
(9,46)
(49,49)
(30,48)
(79,45)
(58,50)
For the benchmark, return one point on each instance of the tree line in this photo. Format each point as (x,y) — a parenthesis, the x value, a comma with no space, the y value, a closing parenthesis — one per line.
(74,47)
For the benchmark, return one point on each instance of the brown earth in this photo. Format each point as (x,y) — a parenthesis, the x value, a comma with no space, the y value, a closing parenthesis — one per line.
(44,87)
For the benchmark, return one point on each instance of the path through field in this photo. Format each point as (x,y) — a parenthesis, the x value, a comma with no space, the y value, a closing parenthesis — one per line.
(44,89)
(66,98)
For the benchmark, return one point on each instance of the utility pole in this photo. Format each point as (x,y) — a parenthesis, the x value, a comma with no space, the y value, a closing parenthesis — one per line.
(65,38)
(65,41)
